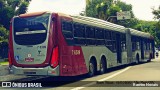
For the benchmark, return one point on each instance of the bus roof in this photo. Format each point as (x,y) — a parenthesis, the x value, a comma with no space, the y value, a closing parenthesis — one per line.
(107,25)
(140,34)
(98,23)
(32,14)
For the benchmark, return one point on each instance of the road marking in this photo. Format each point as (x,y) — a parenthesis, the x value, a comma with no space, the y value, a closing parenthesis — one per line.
(109,77)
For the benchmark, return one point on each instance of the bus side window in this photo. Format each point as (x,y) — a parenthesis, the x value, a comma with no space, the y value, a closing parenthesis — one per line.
(114,41)
(108,39)
(150,45)
(67,31)
(90,35)
(67,26)
(99,36)
(99,33)
(146,44)
(90,32)
(138,44)
(123,42)
(107,35)
(79,34)
(133,40)
(79,30)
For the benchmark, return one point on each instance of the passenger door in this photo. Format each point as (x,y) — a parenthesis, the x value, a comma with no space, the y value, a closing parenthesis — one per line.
(142,49)
(118,47)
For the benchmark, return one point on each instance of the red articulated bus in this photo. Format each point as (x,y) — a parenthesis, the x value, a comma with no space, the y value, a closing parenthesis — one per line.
(55,44)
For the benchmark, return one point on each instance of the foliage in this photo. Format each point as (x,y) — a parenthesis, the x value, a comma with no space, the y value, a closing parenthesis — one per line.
(157,26)
(5,62)
(91,8)
(130,23)
(103,9)
(3,35)
(9,8)
(156,13)
(22,8)
(106,9)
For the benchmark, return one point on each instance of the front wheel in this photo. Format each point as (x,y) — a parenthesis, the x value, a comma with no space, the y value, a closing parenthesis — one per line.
(157,54)
(150,58)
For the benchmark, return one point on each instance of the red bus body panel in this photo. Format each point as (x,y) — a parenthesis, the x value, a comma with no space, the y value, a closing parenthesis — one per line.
(70,65)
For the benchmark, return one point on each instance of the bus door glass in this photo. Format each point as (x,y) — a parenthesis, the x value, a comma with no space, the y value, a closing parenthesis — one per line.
(119,51)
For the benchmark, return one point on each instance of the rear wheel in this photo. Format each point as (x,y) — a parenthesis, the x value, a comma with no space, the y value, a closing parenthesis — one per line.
(137,59)
(102,67)
(91,69)
(150,57)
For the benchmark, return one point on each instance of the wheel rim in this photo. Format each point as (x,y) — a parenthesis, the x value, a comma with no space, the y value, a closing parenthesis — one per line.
(91,69)
(137,61)
(102,68)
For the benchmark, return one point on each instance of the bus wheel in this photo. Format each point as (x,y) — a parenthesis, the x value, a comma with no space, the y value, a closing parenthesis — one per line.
(91,69)
(150,57)
(102,67)
(137,59)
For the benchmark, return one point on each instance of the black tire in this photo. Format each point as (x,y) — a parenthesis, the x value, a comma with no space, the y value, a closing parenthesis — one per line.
(137,59)
(150,57)
(149,60)
(92,70)
(102,67)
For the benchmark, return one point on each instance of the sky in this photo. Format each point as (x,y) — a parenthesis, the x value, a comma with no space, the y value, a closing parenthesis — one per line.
(141,8)
(71,7)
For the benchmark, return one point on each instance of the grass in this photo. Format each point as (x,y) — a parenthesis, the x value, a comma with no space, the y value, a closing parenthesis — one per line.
(4,63)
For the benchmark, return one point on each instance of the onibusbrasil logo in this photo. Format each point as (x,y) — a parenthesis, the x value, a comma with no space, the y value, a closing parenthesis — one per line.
(20,85)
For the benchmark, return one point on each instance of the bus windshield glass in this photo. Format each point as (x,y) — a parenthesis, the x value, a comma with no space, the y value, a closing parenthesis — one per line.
(30,30)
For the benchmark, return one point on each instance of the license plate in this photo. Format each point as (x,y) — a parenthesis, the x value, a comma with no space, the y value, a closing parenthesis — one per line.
(29,59)
(29,72)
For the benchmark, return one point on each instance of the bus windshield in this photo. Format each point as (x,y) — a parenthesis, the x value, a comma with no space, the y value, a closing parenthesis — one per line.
(30,30)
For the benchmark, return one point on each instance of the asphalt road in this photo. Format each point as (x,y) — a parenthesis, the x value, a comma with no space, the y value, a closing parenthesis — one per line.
(145,72)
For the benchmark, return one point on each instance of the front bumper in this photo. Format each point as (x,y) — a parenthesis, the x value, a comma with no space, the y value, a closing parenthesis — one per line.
(35,71)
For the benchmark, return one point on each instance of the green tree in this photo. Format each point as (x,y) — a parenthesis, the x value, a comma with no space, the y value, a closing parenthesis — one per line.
(107,10)
(130,23)
(156,13)
(103,8)
(112,12)
(91,10)
(22,8)
(3,36)
(9,8)
(124,6)
(3,42)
